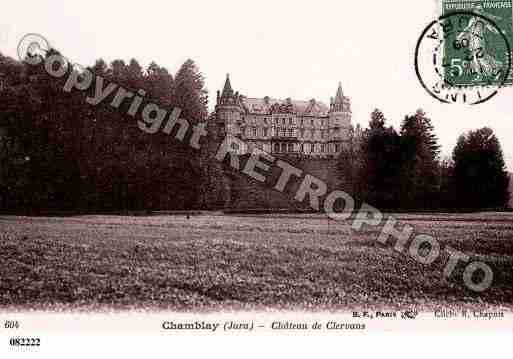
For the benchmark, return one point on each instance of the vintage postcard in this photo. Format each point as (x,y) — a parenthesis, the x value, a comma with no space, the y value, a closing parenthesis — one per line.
(201,169)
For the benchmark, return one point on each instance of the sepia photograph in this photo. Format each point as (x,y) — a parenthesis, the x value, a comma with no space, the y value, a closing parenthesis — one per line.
(235,166)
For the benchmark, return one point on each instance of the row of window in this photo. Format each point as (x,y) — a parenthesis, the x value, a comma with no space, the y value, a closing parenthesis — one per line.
(283,121)
(307,148)
(284,132)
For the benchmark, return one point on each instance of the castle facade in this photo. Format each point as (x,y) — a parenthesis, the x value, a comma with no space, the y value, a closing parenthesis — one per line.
(290,127)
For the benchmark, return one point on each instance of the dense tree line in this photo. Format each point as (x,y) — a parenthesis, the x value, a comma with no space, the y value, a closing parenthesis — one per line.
(402,169)
(59,152)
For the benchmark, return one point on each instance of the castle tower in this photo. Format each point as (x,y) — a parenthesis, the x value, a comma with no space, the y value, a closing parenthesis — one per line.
(339,118)
(228,111)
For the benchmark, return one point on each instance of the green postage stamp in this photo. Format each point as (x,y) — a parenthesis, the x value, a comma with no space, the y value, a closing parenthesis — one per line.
(477,42)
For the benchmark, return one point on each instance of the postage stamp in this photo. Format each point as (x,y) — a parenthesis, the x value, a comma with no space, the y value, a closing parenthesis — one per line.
(475,48)
(465,56)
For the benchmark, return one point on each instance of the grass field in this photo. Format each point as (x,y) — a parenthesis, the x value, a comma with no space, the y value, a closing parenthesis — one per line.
(211,262)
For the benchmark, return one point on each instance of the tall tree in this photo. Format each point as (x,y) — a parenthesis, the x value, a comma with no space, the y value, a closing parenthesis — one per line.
(18,103)
(448,199)
(191,97)
(381,150)
(351,169)
(419,173)
(51,142)
(377,120)
(480,177)
(189,93)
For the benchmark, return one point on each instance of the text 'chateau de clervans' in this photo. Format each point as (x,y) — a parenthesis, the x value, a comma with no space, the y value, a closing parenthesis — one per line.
(286,127)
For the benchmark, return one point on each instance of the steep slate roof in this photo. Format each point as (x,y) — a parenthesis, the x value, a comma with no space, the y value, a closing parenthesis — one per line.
(227,90)
(339,98)
(308,108)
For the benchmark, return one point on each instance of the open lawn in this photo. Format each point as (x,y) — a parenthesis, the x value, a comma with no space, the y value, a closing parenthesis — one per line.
(214,262)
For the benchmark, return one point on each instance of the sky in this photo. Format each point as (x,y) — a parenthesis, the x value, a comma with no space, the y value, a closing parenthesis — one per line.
(280,49)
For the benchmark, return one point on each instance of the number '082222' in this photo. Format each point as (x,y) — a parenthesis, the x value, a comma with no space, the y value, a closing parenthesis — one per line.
(25,342)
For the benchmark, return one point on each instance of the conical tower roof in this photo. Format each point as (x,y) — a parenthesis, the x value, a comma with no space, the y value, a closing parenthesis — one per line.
(339,98)
(227,90)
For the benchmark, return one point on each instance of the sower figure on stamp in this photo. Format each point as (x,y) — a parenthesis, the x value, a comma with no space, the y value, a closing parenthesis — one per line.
(482,63)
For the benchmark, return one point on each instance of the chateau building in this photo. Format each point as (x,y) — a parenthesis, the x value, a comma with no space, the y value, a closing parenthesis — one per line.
(291,127)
